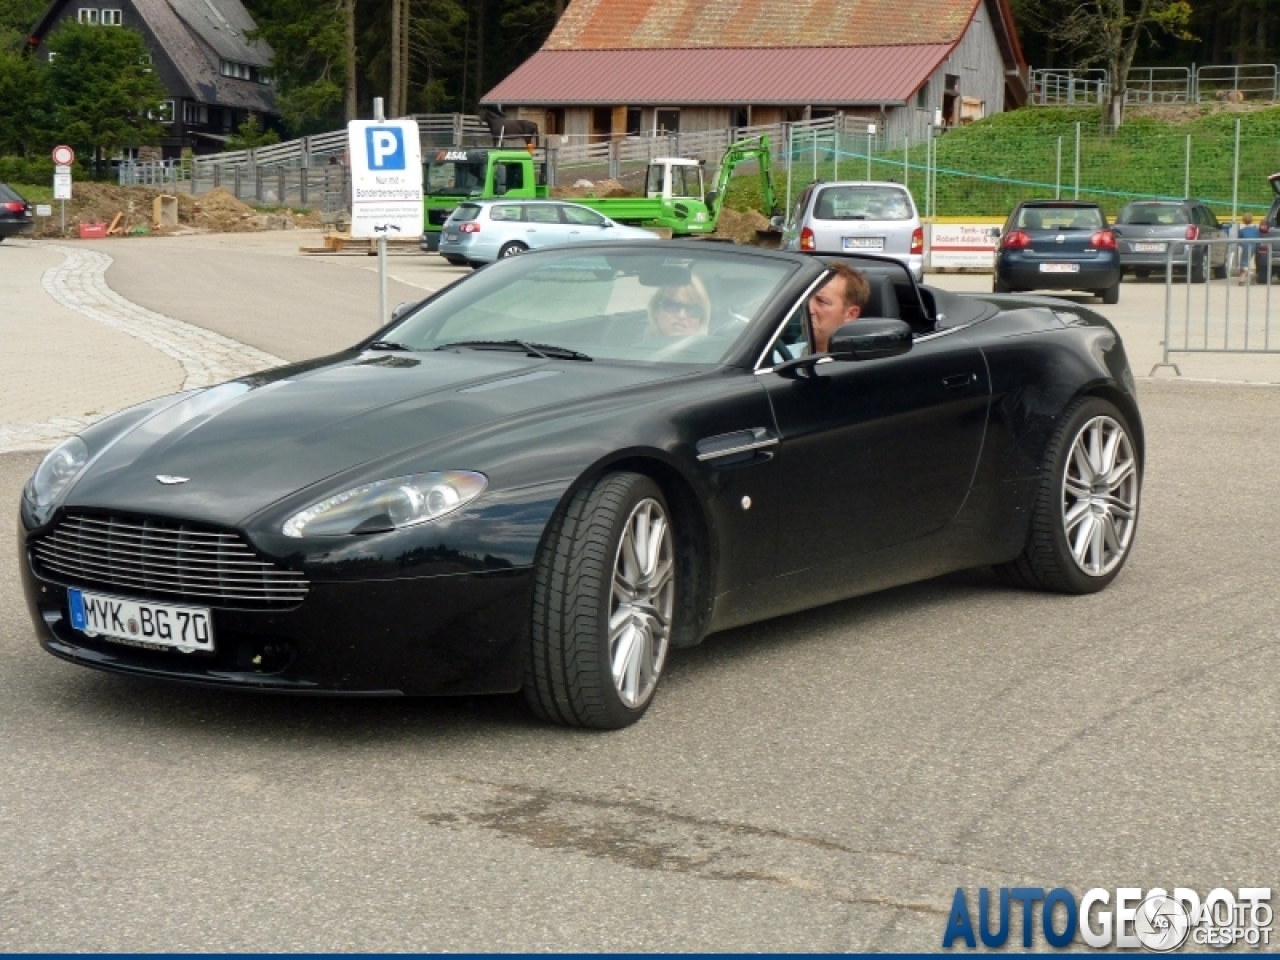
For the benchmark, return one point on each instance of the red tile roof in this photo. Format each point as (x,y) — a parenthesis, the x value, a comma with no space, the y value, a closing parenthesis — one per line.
(842,76)
(648,24)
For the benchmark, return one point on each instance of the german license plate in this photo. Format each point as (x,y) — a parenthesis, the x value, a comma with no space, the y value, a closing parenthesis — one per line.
(451,237)
(137,623)
(1059,268)
(1149,247)
(864,243)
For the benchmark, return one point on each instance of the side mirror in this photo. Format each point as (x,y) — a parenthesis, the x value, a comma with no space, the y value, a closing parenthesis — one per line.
(606,223)
(994,232)
(711,197)
(870,339)
(778,222)
(401,309)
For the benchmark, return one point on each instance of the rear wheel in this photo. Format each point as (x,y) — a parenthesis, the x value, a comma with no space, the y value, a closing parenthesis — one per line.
(1086,508)
(456,261)
(1110,294)
(1199,271)
(998,287)
(604,605)
(1142,273)
(1220,271)
(512,249)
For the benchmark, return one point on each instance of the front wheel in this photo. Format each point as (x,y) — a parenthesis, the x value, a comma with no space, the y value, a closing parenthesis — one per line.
(1086,508)
(512,249)
(604,605)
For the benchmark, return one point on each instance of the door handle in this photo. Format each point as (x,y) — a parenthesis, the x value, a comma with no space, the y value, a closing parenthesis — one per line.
(959,381)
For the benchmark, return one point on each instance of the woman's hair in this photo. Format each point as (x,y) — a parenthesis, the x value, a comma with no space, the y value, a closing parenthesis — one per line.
(700,297)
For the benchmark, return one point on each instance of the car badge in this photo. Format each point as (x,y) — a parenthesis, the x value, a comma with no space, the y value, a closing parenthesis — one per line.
(1059,239)
(169,481)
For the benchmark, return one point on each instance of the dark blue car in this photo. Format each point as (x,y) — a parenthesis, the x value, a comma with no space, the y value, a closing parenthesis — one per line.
(1058,245)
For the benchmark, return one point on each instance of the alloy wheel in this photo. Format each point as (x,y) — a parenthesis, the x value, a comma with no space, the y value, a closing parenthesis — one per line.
(642,602)
(1100,496)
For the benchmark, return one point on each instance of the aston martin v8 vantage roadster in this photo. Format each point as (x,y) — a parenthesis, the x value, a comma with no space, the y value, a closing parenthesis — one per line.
(551,474)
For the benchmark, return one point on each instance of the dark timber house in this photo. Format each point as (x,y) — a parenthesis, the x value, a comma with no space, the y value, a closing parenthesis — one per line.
(215,75)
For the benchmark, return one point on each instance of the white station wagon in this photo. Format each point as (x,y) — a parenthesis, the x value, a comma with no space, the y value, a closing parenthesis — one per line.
(481,231)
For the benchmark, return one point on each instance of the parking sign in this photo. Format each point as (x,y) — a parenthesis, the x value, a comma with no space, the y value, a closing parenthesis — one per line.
(386,178)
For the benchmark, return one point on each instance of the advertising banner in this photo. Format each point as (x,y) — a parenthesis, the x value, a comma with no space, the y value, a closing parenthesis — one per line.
(961,245)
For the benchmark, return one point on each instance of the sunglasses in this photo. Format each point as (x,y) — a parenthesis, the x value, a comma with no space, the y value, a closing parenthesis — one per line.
(668,305)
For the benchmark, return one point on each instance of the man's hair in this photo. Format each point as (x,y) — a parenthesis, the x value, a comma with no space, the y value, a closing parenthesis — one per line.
(856,289)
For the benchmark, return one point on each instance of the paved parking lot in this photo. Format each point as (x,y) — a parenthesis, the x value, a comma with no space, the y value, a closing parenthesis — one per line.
(819,782)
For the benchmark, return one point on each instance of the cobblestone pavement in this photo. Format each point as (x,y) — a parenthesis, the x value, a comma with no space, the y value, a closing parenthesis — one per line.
(78,283)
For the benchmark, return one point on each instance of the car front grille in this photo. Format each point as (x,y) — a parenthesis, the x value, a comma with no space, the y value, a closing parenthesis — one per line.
(165,559)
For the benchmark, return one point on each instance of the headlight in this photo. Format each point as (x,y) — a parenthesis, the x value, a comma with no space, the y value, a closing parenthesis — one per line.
(388,505)
(55,473)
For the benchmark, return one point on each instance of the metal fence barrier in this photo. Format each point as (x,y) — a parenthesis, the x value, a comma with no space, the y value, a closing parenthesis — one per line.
(1230,310)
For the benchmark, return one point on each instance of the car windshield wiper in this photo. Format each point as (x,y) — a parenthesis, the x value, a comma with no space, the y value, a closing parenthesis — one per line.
(388,345)
(546,351)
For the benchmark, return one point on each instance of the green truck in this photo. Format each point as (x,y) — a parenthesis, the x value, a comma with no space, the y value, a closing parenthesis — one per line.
(675,195)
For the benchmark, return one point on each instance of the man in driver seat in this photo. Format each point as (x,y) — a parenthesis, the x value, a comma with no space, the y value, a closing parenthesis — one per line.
(837,302)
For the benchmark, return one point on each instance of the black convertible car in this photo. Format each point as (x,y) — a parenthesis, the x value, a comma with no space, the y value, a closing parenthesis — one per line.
(552,473)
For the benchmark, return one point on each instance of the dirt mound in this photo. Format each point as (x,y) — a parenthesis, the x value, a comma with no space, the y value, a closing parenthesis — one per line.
(218,211)
(580,189)
(742,227)
(215,212)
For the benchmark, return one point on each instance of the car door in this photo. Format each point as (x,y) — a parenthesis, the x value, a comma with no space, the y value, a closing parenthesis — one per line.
(878,452)
(543,227)
(583,224)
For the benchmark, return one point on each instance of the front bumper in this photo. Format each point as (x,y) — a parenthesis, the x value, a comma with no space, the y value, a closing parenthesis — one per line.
(454,634)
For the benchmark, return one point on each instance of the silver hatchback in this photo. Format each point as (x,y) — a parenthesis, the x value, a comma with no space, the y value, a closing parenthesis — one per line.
(860,216)
(481,231)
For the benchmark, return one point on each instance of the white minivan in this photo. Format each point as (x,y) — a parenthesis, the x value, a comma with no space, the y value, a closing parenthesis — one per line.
(858,217)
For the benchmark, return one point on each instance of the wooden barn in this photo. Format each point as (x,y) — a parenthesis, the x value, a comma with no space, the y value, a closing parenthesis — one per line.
(617,68)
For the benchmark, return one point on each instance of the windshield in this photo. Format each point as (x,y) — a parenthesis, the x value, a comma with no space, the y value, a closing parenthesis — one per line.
(646,307)
(1060,218)
(1153,214)
(455,179)
(863,203)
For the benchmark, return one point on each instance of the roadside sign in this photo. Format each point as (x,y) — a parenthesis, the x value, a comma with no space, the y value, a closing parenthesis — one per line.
(63,168)
(62,186)
(44,210)
(64,156)
(962,245)
(386,178)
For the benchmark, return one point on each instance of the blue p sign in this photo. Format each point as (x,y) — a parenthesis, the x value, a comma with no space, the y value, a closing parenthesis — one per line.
(385,148)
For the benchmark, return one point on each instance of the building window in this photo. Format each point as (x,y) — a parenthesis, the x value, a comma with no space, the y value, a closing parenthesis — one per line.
(85,15)
(112,18)
(195,113)
(263,77)
(164,114)
(238,71)
(666,121)
(922,98)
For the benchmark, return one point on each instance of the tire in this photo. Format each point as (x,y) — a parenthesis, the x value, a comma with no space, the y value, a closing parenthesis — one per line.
(1142,273)
(998,287)
(456,261)
(1219,272)
(1110,294)
(1052,560)
(1198,272)
(512,249)
(582,575)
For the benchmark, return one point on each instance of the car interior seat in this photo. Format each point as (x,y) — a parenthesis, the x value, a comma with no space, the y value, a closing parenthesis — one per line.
(883,301)
(1032,220)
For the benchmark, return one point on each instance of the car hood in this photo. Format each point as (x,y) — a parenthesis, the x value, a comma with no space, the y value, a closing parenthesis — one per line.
(244,445)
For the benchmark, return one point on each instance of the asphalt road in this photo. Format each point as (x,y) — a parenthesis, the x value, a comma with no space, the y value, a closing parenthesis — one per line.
(820,782)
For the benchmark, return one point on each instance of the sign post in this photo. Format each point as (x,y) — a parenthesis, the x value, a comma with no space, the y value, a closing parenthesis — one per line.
(386,185)
(63,158)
